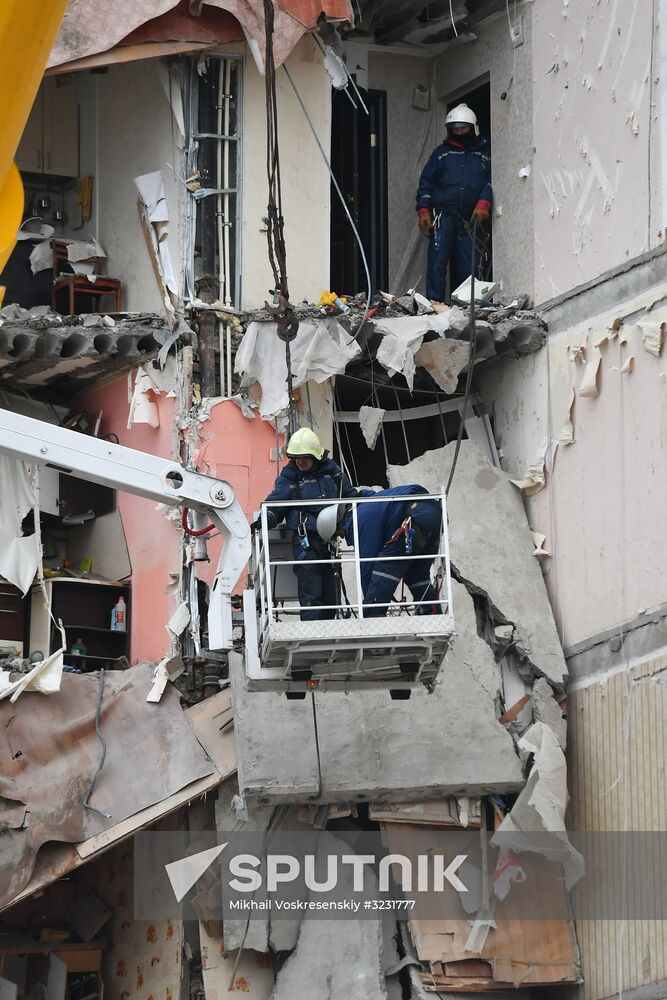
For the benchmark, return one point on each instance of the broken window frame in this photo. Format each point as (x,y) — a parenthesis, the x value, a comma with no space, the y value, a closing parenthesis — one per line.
(476,423)
(231,143)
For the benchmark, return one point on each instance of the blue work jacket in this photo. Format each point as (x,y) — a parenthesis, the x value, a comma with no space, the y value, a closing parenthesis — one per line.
(325,480)
(378,522)
(456,178)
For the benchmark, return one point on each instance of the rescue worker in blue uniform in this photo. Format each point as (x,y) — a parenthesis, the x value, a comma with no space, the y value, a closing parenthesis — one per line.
(391,529)
(309,475)
(454,192)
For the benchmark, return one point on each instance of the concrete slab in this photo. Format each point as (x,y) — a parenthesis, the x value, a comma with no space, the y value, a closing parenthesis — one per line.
(335,959)
(445,743)
(491,550)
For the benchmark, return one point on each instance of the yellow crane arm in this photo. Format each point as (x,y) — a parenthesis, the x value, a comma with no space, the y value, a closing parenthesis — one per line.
(28,29)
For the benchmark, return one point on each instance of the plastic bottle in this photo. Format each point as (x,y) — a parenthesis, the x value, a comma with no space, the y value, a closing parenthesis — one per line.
(118,616)
(79,648)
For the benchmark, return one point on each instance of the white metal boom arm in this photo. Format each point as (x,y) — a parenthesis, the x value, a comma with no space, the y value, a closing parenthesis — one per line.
(158,479)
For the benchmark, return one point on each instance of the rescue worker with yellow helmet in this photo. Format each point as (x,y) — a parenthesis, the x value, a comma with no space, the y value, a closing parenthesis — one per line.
(309,475)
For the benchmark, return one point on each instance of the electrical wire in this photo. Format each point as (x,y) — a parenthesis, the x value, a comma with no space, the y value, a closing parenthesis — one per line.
(98,731)
(275,228)
(451,14)
(342,201)
(471,363)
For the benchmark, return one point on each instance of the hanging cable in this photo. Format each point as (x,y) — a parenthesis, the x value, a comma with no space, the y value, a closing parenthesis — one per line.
(405,435)
(342,201)
(275,223)
(451,15)
(471,362)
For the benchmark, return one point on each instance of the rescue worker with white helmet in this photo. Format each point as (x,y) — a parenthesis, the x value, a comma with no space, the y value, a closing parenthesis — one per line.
(309,475)
(454,192)
(393,530)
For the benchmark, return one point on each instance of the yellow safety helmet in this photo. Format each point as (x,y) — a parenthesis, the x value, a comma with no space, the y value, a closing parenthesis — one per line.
(303,443)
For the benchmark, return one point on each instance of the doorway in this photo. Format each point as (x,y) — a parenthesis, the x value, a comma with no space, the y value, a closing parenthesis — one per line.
(478,98)
(359,164)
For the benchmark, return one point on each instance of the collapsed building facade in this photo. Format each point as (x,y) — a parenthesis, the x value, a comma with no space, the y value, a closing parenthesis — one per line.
(144,162)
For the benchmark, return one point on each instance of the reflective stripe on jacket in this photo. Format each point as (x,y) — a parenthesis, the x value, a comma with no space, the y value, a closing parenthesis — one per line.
(324,480)
(456,178)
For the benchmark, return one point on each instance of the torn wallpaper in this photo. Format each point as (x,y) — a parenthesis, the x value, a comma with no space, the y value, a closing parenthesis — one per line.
(90,27)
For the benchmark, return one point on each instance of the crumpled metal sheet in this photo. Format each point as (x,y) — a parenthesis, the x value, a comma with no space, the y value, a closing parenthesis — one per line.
(90,27)
(49,753)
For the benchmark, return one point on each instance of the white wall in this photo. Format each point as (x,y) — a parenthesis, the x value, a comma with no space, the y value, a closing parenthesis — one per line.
(410,140)
(603,508)
(305,179)
(134,137)
(597,151)
(86,92)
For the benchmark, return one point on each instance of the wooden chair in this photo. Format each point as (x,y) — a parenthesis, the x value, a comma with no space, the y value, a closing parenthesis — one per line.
(79,284)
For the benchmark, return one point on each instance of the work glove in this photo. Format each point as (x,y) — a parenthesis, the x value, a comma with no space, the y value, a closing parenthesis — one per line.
(481,212)
(424,223)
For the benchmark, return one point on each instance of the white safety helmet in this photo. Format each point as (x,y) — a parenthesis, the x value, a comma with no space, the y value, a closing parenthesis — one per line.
(462,115)
(329,521)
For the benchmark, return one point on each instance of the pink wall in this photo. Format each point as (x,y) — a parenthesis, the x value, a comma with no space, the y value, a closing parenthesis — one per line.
(153,541)
(238,450)
(231,447)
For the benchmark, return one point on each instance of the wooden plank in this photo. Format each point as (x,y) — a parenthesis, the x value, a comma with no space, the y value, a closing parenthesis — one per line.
(80,959)
(144,818)
(432,812)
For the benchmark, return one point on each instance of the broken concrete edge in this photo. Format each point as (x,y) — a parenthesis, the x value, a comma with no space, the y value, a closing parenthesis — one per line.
(527,669)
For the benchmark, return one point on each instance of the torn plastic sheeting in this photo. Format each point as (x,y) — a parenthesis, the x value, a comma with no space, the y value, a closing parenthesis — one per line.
(41,257)
(168,669)
(319,350)
(370,421)
(402,338)
(152,193)
(19,555)
(44,677)
(536,821)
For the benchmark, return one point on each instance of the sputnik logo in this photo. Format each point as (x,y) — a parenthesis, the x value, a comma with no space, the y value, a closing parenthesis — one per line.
(184,873)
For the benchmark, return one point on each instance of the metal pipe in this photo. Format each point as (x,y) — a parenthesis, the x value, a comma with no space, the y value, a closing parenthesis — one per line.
(228,338)
(225,184)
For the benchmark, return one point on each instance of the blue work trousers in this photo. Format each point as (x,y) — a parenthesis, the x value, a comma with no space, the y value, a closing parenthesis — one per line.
(317,583)
(450,245)
(416,573)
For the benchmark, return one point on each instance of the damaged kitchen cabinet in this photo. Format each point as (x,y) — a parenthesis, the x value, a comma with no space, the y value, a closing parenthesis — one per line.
(50,142)
(85,609)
